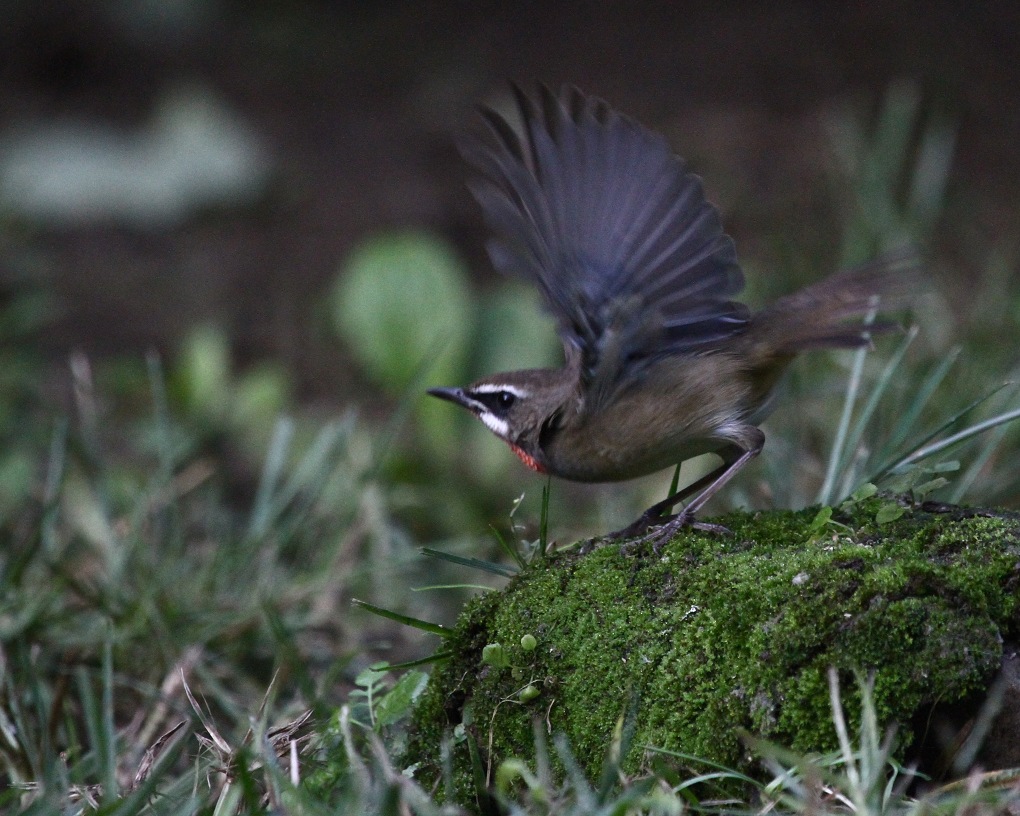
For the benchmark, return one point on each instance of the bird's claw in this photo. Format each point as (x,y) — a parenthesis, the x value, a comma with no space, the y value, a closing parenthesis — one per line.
(658,532)
(665,534)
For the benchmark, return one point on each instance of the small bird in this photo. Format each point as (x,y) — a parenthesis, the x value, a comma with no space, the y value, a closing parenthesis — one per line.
(661,364)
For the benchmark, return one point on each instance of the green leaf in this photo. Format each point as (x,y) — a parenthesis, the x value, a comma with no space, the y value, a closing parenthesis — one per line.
(529,693)
(398,701)
(437,657)
(514,331)
(888,513)
(370,678)
(401,299)
(923,490)
(202,373)
(865,491)
(493,654)
(260,396)
(820,520)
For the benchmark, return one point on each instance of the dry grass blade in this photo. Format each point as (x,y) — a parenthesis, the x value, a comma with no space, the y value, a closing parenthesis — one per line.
(294,764)
(152,754)
(287,740)
(260,714)
(283,734)
(1002,780)
(169,690)
(215,740)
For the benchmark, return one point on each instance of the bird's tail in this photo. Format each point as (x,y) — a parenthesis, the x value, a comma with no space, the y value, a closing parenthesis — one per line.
(834,312)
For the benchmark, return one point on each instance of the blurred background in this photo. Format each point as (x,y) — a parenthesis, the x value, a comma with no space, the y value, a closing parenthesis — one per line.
(214,214)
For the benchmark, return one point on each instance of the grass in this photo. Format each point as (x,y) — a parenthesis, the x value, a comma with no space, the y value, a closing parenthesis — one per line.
(123,587)
(165,652)
(168,646)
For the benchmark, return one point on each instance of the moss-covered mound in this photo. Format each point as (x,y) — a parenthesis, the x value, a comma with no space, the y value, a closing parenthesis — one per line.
(720,633)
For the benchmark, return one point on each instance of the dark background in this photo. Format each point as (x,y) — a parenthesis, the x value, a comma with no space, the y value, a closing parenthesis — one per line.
(358,106)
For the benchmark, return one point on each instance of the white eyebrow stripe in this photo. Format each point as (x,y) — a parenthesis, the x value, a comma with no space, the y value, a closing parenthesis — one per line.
(495,424)
(495,388)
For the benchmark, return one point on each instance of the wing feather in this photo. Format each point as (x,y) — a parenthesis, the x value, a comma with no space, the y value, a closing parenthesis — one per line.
(600,215)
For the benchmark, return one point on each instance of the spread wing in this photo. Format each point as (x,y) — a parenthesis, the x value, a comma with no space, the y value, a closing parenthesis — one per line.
(605,220)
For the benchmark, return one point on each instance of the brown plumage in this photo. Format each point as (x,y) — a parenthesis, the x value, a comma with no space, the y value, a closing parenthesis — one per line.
(661,363)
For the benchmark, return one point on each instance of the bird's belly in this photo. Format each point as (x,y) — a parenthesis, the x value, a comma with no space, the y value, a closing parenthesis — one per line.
(681,409)
(612,460)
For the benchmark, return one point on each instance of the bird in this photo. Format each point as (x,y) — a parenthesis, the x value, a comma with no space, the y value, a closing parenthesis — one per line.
(661,362)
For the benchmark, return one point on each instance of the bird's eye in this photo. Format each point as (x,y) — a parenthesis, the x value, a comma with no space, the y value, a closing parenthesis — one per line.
(505,399)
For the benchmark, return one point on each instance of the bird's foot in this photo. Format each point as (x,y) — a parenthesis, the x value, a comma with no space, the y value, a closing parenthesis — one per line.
(662,535)
(658,531)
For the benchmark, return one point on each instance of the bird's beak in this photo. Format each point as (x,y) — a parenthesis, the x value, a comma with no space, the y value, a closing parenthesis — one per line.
(456,395)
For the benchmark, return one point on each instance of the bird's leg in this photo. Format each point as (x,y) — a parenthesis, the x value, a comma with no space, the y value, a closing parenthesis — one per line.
(741,451)
(654,514)
(743,447)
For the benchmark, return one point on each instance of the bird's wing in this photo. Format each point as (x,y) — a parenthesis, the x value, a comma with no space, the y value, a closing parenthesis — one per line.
(607,222)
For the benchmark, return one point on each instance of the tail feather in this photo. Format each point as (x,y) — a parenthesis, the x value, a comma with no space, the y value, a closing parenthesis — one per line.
(832,312)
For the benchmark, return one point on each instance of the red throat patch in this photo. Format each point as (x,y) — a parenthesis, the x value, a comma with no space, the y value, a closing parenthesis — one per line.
(527,458)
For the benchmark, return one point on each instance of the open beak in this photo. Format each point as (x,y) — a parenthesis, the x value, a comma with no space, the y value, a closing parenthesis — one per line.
(455,395)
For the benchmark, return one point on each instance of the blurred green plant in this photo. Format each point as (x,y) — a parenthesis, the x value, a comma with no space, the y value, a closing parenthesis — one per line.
(900,410)
(26,308)
(205,388)
(896,172)
(402,301)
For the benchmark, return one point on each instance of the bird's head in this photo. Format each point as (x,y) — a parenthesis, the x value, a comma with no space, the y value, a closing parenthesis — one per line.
(518,407)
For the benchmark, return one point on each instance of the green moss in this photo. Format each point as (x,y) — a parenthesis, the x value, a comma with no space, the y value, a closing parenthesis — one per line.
(720,633)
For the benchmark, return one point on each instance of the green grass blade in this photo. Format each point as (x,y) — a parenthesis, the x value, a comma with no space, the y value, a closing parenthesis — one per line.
(723,770)
(856,434)
(922,396)
(964,483)
(407,620)
(957,438)
(543,529)
(286,651)
(898,460)
(55,470)
(276,457)
(109,732)
(473,563)
(931,175)
(310,478)
(508,548)
(434,587)
(437,657)
(674,484)
(316,461)
(838,452)
(161,417)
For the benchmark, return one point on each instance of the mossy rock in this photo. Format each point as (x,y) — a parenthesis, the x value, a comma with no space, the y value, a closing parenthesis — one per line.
(722,633)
